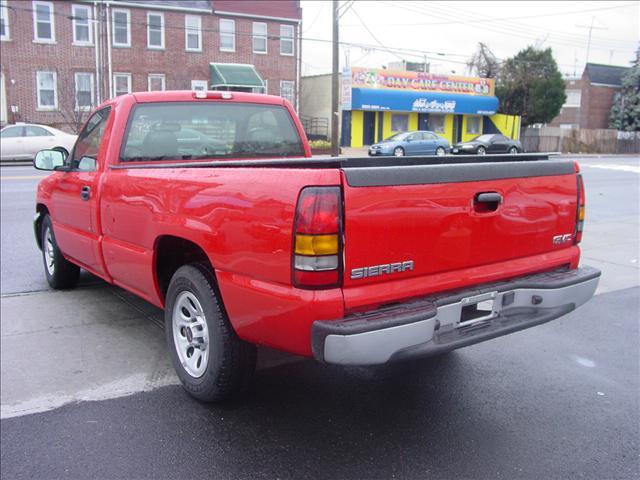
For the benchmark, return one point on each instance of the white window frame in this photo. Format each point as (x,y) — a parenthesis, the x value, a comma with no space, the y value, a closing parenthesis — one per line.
(113,27)
(52,22)
(227,34)
(74,24)
(161,76)
(4,14)
(576,92)
(115,82)
(291,100)
(155,47)
(55,91)
(193,30)
(92,89)
(195,84)
(255,36)
(287,38)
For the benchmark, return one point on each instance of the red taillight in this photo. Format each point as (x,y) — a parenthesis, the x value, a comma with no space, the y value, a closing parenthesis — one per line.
(317,239)
(580,211)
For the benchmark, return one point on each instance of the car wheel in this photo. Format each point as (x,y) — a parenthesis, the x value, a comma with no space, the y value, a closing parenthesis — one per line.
(398,152)
(481,151)
(440,152)
(212,363)
(513,150)
(60,273)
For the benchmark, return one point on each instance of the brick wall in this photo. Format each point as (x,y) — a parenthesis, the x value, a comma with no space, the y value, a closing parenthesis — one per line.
(598,108)
(21,57)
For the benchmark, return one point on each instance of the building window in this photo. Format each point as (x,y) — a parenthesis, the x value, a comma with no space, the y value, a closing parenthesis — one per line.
(43,22)
(436,123)
(47,90)
(287,91)
(199,85)
(193,33)
(474,125)
(568,126)
(121,28)
(259,37)
(227,35)
(573,98)
(156,82)
(84,91)
(121,83)
(155,30)
(399,122)
(4,21)
(286,40)
(82,25)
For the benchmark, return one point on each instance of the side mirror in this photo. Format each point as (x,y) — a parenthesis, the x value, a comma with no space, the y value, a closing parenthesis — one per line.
(48,160)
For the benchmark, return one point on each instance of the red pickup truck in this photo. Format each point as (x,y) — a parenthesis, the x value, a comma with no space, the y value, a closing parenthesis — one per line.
(207,204)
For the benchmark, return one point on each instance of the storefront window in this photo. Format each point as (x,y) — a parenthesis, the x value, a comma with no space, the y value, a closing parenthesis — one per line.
(474,125)
(399,122)
(436,123)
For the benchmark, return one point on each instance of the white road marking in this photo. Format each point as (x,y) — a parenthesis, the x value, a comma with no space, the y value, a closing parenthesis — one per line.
(614,166)
(585,362)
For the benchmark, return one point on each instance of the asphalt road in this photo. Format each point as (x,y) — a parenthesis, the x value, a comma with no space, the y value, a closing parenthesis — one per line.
(556,401)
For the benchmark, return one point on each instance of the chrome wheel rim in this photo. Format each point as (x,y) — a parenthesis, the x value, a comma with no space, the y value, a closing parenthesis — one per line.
(481,151)
(513,151)
(190,334)
(398,152)
(440,152)
(49,254)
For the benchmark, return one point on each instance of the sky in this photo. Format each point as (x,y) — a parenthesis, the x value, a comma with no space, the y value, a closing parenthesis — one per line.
(447,33)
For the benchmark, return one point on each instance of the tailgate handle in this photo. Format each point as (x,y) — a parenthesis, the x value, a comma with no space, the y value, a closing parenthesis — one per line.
(489,197)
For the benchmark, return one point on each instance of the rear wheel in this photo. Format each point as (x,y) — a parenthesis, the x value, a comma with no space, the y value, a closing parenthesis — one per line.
(481,151)
(60,272)
(513,150)
(398,152)
(211,361)
(440,151)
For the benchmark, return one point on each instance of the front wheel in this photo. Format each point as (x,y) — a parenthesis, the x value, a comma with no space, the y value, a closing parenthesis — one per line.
(398,152)
(212,363)
(513,150)
(60,272)
(482,151)
(440,152)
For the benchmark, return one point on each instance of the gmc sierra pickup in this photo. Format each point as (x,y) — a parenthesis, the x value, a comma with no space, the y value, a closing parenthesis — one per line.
(207,204)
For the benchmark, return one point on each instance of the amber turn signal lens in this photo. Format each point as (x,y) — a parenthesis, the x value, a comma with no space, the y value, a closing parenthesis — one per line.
(581,214)
(316,244)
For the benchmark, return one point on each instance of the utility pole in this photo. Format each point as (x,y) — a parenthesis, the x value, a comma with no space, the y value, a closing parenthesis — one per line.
(335,84)
(591,28)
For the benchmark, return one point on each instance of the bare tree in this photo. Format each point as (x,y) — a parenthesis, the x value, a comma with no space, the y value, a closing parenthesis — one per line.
(75,102)
(484,63)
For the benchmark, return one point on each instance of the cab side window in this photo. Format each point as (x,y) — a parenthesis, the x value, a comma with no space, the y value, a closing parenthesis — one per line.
(85,153)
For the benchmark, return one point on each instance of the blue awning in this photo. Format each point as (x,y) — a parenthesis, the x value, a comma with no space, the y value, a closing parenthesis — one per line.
(413,101)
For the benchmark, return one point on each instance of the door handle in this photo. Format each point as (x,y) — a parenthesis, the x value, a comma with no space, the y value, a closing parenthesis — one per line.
(487,202)
(85,193)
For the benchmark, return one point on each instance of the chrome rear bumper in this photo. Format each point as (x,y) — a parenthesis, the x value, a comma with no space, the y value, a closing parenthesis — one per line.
(433,324)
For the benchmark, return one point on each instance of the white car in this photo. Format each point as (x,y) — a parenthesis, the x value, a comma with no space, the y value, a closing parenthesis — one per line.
(23,140)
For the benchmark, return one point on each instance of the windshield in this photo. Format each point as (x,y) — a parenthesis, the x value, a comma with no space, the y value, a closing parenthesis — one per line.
(191,131)
(397,136)
(483,138)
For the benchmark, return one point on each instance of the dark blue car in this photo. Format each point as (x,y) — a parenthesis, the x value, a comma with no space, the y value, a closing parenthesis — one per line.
(422,142)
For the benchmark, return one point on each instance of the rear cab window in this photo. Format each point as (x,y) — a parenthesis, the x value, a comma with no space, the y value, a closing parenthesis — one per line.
(210,130)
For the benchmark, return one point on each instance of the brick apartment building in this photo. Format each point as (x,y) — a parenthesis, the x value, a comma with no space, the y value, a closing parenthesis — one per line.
(589,98)
(60,57)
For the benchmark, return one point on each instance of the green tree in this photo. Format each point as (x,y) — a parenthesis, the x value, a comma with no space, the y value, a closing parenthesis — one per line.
(530,85)
(625,111)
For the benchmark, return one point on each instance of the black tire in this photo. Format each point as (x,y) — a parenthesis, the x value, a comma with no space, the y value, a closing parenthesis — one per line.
(481,151)
(440,151)
(230,361)
(61,274)
(398,152)
(513,150)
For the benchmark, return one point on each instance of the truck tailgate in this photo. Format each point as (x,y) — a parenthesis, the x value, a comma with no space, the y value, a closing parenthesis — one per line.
(416,220)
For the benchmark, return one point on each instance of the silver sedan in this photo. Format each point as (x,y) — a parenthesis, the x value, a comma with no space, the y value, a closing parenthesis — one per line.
(23,140)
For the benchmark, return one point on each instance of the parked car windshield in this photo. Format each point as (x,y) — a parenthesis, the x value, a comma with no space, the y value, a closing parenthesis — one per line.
(188,131)
(483,138)
(397,136)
